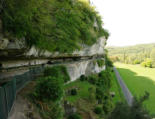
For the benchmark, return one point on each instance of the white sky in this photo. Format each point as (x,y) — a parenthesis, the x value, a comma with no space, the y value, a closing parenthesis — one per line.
(129,22)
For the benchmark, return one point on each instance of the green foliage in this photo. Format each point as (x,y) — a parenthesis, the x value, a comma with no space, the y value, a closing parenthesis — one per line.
(93,92)
(100,62)
(49,88)
(143,64)
(136,62)
(100,95)
(57,71)
(108,62)
(152,56)
(107,105)
(104,79)
(147,63)
(53,111)
(102,90)
(83,91)
(134,54)
(139,79)
(93,79)
(136,111)
(75,116)
(98,110)
(73,91)
(83,78)
(53,25)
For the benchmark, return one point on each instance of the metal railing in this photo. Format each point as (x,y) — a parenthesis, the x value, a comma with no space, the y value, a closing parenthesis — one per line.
(9,89)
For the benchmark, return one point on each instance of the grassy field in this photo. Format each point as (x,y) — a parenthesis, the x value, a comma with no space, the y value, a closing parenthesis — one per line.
(82,90)
(116,88)
(139,79)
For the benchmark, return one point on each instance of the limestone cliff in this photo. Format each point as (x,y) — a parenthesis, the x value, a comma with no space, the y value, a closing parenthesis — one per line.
(15,55)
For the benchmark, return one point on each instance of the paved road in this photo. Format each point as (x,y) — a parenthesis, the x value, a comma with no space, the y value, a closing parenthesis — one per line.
(127,94)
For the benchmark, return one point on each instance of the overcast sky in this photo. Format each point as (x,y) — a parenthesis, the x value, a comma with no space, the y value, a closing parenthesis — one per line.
(129,22)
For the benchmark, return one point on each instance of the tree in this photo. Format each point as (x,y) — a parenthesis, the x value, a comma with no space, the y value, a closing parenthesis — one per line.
(147,63)
(152,56)
(136,111)
(49,88)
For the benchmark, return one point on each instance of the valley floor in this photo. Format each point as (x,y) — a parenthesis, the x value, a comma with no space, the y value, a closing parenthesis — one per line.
(139,79)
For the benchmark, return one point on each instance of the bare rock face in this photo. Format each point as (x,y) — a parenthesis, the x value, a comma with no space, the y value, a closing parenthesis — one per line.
(13,46)
(96,49)
(77,69)
(3,42)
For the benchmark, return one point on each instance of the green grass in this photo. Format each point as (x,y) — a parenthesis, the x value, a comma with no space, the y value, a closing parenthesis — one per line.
(116,88)
(139,79)
(84,86)
(82,90)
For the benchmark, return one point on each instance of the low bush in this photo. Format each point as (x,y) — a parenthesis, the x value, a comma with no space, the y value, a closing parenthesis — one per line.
(52,111)
(107,104)
(147,63)
(108,62)
(75,116)
(98,110)
(49,88)
(93,79)
(136,111)
(57,71)
(136,62)
(104,79)
(100,62)
(83,78)
(74,91)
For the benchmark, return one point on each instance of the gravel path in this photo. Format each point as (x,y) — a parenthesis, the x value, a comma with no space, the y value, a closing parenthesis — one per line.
(127,94)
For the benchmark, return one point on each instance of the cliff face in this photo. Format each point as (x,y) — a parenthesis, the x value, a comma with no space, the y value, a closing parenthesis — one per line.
(82,62)
(15,55)
(17,48)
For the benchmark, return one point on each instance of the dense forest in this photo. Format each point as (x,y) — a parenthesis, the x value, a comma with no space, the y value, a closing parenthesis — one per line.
(143,54)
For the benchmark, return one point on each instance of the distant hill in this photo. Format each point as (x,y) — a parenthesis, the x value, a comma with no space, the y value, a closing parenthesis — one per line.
(139,54)
(141,48)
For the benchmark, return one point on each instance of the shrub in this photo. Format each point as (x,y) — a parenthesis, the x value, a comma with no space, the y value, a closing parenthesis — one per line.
(100,94)
(147,63)
(108,62)
(98,110)
(53,111)
(136,62)
(100,62)
(107,104)
(75,116)
(74,92)
(143,64)
(49,88)
(92,79)
(136,111)
(104,79)
(57,71)
(91,96)
(83,78)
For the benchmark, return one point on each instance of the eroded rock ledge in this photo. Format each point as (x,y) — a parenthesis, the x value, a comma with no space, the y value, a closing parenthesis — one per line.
(17,58)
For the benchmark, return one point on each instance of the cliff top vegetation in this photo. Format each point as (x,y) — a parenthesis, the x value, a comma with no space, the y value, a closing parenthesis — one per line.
(53,25)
